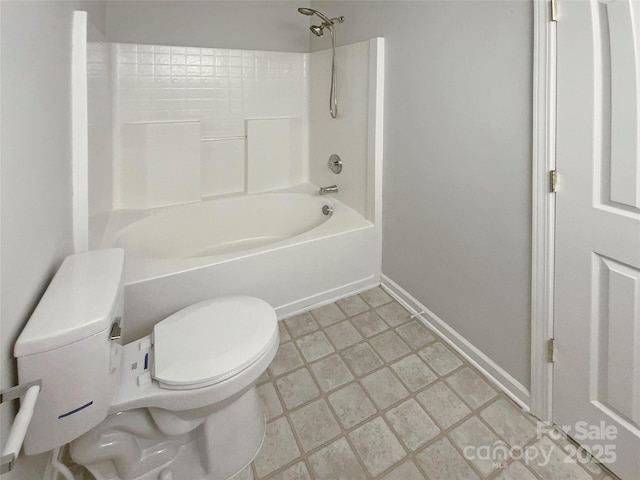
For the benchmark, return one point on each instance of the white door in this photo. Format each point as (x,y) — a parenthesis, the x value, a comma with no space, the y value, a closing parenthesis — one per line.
(597,298)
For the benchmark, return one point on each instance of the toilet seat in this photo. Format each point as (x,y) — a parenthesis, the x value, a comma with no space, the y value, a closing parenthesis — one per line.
(211,341)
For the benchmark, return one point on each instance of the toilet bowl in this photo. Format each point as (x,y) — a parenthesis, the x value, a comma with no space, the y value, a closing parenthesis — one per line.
(179,403)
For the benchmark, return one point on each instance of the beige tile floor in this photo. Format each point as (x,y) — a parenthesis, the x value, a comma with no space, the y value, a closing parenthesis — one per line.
(359,390)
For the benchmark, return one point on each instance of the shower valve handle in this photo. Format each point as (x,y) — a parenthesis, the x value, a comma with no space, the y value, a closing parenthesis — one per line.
(335,164)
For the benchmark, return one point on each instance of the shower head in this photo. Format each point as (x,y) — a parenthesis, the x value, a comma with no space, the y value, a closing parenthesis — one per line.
(306,11)
(318,31)
(311,11)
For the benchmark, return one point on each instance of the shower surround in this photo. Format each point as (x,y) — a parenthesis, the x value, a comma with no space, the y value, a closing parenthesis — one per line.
(206,125)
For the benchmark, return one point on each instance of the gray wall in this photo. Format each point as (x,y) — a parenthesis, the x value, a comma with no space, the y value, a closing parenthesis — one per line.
(35,200)
(250,25)
(457,172)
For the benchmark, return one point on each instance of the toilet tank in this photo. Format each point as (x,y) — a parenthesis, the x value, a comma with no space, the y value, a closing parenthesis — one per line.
(67,344)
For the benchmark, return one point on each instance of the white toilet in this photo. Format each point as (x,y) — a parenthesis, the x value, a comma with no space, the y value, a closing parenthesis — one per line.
(177,404)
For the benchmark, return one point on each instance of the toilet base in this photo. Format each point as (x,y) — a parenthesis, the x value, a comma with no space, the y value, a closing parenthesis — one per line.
(130,446)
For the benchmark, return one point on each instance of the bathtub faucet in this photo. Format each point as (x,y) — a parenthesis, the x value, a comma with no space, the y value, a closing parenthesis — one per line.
(329,189)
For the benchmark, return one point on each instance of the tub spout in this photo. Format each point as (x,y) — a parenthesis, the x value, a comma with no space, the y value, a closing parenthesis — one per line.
(329,189)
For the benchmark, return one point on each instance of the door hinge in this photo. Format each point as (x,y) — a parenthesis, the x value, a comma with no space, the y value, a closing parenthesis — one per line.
(553,181)
(554,10)
(551,350)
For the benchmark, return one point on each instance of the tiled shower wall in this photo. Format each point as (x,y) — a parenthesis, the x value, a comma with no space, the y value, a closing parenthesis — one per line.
(172,125)
(218,89)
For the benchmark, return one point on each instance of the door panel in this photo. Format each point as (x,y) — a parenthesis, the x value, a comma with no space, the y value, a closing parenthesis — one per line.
(597,297)
(621,68)
(618,289)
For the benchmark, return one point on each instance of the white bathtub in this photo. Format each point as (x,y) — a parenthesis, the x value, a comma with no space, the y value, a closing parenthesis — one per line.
(276,246)
(219,227)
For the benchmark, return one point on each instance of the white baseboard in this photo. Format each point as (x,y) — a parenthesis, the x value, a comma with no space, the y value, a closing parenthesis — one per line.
(326,297)
(496,374)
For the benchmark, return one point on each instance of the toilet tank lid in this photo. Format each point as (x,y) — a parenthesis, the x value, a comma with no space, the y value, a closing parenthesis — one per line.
(78,303)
